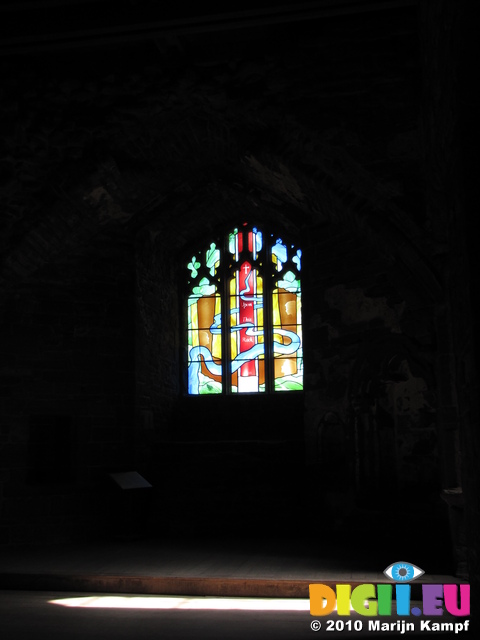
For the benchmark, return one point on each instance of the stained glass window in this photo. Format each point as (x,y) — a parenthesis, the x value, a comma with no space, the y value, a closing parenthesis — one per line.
(244,320)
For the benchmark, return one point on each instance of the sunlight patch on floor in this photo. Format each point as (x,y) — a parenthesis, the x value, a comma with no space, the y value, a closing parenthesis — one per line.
(191,602)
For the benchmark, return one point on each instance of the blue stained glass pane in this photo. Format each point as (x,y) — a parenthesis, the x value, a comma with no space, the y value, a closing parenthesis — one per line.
(297,260)
(279,250)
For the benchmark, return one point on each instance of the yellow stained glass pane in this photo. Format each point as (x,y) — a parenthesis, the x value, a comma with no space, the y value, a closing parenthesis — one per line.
(216,330)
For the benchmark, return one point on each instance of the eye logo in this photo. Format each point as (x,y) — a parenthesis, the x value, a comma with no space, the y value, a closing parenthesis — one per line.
(403,572)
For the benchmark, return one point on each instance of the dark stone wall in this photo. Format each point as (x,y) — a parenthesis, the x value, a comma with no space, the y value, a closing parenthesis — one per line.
(375,445)
(364,440)
(372,350)
(67,394)
(344,131)
(450,134)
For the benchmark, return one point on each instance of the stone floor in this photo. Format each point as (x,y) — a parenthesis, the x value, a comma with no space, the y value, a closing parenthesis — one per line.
(186,567)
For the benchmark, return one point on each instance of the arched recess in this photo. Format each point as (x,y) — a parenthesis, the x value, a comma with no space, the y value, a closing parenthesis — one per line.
(196,177)
(273,189)
(227,459)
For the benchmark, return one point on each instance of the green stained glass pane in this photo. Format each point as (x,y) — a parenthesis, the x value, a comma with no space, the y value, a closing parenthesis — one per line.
(212,259)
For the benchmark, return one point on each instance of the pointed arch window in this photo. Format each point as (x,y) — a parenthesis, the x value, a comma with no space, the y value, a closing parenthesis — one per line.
(244,324)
